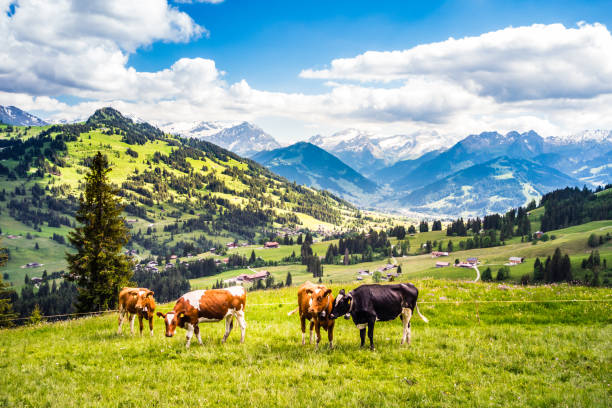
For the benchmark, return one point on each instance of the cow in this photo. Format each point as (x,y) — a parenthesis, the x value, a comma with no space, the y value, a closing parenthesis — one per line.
(315,303)
(369,303)
(201,306)
(136,302)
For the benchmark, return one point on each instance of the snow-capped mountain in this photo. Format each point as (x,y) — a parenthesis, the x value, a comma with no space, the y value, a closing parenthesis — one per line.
(12,115)
(242,138)
(368,152)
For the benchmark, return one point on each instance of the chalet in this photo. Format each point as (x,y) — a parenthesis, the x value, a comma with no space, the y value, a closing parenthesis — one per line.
(515,260)
(212,250)
(173,257)
(359,278)
(231,245)
(387,267)
(131,221)
(436,254)
(13,236)
(472,261)
(464,265)
(442,264)
(363,272)
(33,265)
(271,244)
(252,277)
(538,234)
(36,280)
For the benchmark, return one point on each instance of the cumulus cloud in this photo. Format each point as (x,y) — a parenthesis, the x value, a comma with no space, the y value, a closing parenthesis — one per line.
(516,63)
(553,79)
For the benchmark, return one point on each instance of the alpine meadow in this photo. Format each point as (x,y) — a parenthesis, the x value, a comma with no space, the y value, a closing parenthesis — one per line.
(305,204)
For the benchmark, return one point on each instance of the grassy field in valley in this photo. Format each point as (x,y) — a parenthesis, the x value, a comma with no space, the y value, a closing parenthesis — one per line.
(495,354)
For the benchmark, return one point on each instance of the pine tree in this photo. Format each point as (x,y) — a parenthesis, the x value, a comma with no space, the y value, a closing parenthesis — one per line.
(289,279)
(449,247)
(6,308)
(253,258)
(99,267)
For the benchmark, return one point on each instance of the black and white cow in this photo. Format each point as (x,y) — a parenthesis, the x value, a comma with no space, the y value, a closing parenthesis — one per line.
(369,303)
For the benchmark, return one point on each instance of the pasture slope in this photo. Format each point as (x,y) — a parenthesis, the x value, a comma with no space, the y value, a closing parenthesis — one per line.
(523,354)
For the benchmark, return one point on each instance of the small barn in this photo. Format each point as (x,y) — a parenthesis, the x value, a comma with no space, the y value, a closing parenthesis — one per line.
(442,264)
(271,244)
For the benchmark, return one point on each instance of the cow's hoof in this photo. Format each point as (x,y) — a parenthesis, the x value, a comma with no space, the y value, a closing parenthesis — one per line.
(371,348)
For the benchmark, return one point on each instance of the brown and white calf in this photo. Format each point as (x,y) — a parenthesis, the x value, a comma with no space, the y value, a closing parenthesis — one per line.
(201,306)
(315,303)
(136,302)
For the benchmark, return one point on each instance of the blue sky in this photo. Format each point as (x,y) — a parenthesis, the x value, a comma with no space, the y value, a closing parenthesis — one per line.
(428,69)
(269,42)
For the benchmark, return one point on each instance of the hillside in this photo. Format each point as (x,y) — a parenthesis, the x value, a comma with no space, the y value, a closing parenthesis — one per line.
(490,187)
(310,165)
(181,195)
(560,351)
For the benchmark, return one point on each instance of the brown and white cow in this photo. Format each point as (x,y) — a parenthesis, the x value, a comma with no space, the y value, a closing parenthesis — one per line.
(136,302)
(315,303)
(207,306)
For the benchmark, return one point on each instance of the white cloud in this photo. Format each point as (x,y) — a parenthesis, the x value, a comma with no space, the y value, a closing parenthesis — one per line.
(553,79)
(516,63)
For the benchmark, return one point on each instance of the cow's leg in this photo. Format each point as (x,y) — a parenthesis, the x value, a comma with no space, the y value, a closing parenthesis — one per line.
(121,319)
(132,318)
(303,325)
(151,325)
(196,330)
(311,328)
(330,335)
(371,333)
(242,323)
(190,330)
(229,324)
(140,323)
(362,333)
(318,333)
(406,316)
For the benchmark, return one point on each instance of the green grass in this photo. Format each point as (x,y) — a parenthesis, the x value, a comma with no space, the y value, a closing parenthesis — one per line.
(512,354)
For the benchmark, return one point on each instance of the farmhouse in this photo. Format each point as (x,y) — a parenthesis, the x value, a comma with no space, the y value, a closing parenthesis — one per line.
(363,272)
(252,277)
(538,234)
(442,264)
(33,265)
(36,280)
(387,267)
(436,254)
(231,245)
(472,260)
(173,256)
(515,260)
(271,244)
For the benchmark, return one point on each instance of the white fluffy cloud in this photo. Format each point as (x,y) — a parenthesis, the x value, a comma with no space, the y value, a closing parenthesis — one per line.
(534,62)
(549,78)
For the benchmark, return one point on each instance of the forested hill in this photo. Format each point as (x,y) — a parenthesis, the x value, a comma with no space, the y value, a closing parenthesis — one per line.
(168,183)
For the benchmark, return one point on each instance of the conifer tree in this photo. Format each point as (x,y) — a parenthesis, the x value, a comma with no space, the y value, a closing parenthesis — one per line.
(253,258)
(99,267)
(289,279)
(6,308)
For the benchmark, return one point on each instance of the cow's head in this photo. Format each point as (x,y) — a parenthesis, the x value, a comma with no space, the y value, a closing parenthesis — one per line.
(145,303)
(342,305)
(320,299)
(172,319)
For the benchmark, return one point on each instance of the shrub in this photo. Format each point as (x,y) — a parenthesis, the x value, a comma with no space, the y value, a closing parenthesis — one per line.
(486,275)
(503,273)
(525,279)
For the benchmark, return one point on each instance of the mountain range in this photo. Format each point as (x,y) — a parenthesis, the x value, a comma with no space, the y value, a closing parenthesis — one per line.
(483,172)
(11,115)
(244,138)
(310,165)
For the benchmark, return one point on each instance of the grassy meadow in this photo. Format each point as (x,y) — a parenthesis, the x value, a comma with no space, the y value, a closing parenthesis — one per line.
(490,354)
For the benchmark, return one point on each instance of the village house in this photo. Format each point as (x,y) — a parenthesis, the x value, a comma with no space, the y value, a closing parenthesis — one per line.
(436,254)
(252,277)
(442,264)
(271,244)
(173,257)
(515,260)
(472,261)
(538,234)
(33,265)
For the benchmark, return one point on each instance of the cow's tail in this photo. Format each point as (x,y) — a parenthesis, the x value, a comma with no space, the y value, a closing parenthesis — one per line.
(293,311)
(422,317)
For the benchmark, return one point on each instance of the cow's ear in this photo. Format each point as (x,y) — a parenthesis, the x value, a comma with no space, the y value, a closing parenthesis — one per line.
(160,314)
(151,293)
(181,314)
(327,292)
(342,292)
(309,291)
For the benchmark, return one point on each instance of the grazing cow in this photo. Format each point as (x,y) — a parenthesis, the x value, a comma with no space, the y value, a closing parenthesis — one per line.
(207,306)
(315,303)
(136,302)
(369,303)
